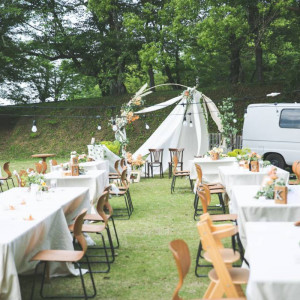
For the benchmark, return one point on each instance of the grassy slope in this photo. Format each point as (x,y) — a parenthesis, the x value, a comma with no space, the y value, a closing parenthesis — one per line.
(144,267)
(62,135)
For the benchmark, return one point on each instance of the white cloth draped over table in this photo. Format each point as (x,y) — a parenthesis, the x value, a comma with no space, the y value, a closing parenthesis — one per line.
(274,257)
(21,239)
(96,181)
(95,165)
(231,176)
(250,209)
(210,167)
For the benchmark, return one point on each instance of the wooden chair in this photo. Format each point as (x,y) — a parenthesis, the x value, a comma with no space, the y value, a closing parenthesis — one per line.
(214,188)
(179,153)
(123,164)
(156,161)
(39,168)
(44,167)
(117,174)
(47,256)
(177,173)
(109,215)
(124,191)
(182,257)
(296,171)
(223,280)
(8,177)
(21,177)
(99,229)
(53,162)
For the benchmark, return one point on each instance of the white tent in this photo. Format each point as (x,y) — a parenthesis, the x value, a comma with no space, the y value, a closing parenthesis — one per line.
(173,134)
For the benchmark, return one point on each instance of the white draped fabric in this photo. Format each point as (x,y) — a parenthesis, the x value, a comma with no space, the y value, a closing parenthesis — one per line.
(172,134)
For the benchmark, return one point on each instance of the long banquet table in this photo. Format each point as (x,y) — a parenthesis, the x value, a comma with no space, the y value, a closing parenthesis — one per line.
(21,239)
(210,167)
(96,165)
(274,257)
(231,176)
(95,180)
(250,209)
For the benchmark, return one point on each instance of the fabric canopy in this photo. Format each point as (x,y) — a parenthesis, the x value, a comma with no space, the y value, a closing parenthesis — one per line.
(173,134)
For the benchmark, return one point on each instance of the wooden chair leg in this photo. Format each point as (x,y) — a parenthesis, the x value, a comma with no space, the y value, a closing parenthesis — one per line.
(217,291)
(240,290)
(209,290)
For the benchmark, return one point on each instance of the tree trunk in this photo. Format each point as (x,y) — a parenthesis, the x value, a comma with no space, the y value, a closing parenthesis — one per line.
(151,77)
(170,77)
(177,71)
(259,63)
(235,62)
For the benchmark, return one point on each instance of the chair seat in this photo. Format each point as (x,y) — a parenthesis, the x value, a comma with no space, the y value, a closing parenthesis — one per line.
(91,228)
(118,194)
(4,178)
(228,256)
(58,255)
(215,186)
(95,217)
(182,173)
(293,182)
(217,191)
(238,275)
(225,217)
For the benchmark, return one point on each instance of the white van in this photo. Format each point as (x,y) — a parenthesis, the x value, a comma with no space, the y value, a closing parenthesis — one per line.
(273,130)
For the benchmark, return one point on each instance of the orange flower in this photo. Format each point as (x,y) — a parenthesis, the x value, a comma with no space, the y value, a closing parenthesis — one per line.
(186,93)
(134,118)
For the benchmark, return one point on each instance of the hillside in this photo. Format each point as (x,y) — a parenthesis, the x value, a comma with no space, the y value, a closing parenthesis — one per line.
(63,127)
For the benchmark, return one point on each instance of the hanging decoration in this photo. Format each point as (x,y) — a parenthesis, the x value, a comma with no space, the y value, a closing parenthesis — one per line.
(127,116)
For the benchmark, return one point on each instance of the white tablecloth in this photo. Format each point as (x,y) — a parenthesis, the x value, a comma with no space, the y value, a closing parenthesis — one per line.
(274,257)
(95,181)
(210,167)
(250,209)
(230,176)
(96,165)
(20,239)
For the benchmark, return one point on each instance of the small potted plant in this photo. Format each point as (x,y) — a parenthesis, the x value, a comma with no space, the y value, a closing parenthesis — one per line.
(215,153)
(254,162)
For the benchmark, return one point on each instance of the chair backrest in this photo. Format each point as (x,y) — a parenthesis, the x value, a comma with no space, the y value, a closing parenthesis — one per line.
(156,155)
(178,152)
(122,163)
(100,206)
(182,257)
(199,173)
(44,166)
(54,162)
(117,166)
(6,169)
(297,171)
(78,231)
(175,162)
(107,204)
(124,180)
(39,167)
(203,193)
(221,269)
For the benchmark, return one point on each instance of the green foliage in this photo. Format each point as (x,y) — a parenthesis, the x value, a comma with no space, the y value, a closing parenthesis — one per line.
(114,146)
(33,135)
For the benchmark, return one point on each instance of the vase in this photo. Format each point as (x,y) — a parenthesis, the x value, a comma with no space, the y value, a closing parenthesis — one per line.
(34,188)
(280,194)
(254,166)
(215,156)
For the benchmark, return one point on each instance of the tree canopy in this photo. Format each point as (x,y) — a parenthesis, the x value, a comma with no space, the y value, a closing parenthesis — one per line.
(58,49)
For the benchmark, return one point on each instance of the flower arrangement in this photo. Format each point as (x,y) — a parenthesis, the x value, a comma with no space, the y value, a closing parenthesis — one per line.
(136,163)
(239,154)
(74,153)
(253,156)
(268,184)
(217,150)
(36,178)
(82,158)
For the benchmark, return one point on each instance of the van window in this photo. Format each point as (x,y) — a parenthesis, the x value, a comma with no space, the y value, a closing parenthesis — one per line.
(290,118)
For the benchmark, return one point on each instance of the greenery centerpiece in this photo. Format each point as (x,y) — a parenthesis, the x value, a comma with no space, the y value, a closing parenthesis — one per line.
(37,181)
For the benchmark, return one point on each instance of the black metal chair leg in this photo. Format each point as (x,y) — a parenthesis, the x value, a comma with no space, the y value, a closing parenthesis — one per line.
(198,265)
(82,281)
(116,234)
(34,280)
(222,202)
(92,277)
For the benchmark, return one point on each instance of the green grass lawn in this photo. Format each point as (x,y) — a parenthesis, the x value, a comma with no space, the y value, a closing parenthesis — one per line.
(144,267)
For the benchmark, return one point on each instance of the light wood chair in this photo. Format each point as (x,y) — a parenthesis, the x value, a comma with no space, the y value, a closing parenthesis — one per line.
(177,173)
(214,188)
(179,153)
(109,215)
(125,192)
(224,280)
(296,171)
(117,174)
(182,257)
(21,177)
(8,177)
(47,256)
(99,229)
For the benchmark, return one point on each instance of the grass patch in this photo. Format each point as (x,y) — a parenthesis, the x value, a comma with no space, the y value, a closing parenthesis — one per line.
(144,267)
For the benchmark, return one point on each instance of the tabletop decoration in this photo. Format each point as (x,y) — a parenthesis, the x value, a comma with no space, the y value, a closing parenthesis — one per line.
(280,192)
(215,153)
(82,158)
(254,164)
(268,185)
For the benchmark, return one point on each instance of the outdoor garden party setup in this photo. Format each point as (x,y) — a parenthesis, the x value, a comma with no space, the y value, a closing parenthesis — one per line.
(70,218)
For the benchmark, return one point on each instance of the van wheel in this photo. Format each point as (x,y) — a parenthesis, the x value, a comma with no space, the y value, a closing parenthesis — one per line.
(276,160)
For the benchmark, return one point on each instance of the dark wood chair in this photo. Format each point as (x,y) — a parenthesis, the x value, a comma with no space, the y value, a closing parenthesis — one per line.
(296,171)
(179,153)
(156,161)
(116,175)
(177,173)
(74,256)
(8,177)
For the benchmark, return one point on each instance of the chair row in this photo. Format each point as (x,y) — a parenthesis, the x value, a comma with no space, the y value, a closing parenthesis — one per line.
(106,254)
